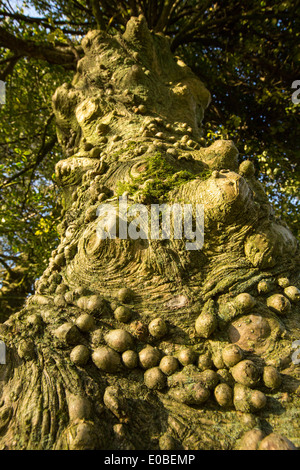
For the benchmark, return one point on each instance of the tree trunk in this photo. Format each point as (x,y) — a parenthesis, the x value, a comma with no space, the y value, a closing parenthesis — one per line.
(142,343)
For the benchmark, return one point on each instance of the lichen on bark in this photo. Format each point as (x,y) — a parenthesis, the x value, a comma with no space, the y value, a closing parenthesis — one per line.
(140,343)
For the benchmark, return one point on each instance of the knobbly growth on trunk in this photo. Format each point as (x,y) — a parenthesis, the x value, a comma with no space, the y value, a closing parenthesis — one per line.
(139,343)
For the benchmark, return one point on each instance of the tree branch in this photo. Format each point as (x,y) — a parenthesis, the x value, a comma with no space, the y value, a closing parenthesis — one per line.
(191,23)
(6,266)
(43,21)
(164,16)
(63,55)
(44,149)
(95,6)
(11,62)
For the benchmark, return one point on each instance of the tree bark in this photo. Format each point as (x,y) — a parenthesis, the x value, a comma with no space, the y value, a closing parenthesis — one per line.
(140,343)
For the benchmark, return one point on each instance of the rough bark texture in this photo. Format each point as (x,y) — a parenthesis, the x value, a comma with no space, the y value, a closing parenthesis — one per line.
(217,372)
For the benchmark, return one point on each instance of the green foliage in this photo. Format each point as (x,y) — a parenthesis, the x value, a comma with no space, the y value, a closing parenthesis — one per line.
(29,200)
(249,63)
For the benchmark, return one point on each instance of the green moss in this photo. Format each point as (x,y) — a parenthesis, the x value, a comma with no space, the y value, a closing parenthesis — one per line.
(160,178)
(131,145)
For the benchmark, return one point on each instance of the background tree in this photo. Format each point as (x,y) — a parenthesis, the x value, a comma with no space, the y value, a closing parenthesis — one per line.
(246,52)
